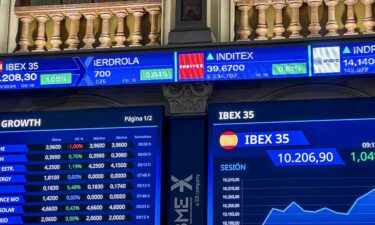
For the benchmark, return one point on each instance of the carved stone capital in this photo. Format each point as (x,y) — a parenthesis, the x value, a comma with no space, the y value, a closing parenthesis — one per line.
(188,98)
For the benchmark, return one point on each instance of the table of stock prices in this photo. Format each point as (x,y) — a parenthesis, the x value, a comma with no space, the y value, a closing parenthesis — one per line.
(81,167)
(301,163)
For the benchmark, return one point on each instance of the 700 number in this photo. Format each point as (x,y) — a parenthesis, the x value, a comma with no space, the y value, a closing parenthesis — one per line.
(103,74)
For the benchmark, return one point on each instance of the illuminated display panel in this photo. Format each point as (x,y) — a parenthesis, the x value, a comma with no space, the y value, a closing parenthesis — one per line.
(187,64)
(303,162)
(81,167)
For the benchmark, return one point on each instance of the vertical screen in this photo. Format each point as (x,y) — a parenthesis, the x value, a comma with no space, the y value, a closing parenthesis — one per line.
(309,163)
(81,167)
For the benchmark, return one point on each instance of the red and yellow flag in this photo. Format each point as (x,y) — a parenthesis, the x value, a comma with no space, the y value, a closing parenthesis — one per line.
(228,140)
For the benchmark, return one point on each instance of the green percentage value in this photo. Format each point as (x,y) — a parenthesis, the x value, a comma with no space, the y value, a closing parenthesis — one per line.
(72,219)
(360,157)
(289,69)
(69,208)
(73,187)
(75,166)
(75,156)
(55,79)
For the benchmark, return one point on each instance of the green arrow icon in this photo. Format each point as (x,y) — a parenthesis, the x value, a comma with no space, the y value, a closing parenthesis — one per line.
(210,57)
(347,50)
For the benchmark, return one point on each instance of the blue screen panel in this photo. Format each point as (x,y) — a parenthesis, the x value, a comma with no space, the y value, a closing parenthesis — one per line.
(81,167)
(303,162)
(347,57)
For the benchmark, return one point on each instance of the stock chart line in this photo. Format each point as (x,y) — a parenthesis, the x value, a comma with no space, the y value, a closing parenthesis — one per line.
(361,212)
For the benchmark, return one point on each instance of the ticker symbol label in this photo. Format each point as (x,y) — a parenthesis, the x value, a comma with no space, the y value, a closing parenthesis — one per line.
(229,140)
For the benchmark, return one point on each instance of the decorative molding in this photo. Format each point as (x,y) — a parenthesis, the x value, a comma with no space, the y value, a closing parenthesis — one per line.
(189,98)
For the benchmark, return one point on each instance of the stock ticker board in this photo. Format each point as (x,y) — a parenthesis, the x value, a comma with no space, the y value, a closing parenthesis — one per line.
(308,162)
(81,167)
(213,63)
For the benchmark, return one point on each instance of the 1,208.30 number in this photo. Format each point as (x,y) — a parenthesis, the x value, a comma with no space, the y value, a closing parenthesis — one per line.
(18,77)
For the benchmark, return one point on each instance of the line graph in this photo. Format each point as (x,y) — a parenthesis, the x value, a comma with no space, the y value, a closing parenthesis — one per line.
(361,212)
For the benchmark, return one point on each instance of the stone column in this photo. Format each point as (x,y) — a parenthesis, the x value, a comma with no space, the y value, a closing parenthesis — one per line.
(89,38)
(369,20)
(24,41)
(56,36)
(295,25)
(105,39)
(332,23)
(73,40)
(40,41)
(278,29)
(314,26)
(120,33)
(137,34)
(262,29)
(154,34)
(244,28)
(351,23)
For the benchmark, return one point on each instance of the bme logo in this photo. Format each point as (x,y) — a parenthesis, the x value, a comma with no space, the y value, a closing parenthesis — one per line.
(182,202)
(327,60)
(191,66)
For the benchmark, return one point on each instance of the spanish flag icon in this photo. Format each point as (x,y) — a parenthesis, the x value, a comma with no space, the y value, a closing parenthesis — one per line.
(1,66)
(228,140)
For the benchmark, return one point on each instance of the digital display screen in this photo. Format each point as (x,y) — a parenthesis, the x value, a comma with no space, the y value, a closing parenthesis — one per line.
(300,162)
(212,63)
(81,167)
